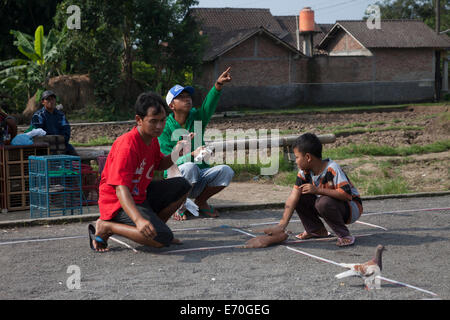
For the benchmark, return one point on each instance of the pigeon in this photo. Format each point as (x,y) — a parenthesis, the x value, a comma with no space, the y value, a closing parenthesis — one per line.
(369,271)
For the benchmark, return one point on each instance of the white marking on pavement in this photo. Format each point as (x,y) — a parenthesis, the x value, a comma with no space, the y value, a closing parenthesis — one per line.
(40,240)
(123,243)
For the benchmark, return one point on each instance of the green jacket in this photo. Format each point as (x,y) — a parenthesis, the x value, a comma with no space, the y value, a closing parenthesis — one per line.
(202,114)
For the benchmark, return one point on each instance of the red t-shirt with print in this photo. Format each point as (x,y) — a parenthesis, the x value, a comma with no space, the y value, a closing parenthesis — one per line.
(130,163)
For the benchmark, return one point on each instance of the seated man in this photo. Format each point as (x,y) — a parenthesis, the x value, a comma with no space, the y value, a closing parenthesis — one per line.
(206,181)
(130,203)
(52,120)
(8,127)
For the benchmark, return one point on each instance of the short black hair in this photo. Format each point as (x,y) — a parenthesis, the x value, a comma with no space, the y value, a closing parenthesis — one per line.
(308,143)
(148,100)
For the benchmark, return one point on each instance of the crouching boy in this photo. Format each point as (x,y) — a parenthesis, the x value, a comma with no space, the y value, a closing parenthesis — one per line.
(322,190)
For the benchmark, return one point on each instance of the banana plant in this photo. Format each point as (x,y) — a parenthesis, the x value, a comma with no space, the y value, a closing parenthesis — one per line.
(35,71)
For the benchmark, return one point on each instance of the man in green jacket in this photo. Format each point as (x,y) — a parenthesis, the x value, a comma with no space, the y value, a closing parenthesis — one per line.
(206,181)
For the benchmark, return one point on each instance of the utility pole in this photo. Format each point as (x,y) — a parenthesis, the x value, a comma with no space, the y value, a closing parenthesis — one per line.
(438,79)
(438,16)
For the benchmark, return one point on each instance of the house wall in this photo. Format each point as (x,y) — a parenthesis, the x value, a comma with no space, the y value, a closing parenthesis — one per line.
(404,64)
(345,45)
(268,75)
(255,62)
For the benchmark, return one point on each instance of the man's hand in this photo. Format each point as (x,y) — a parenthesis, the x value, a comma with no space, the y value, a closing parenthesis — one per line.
(181,148)
(309,189)
(197,151)
(223,78)
(146,228)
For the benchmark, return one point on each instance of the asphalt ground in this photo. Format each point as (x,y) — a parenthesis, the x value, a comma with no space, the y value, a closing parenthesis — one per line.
(43,262)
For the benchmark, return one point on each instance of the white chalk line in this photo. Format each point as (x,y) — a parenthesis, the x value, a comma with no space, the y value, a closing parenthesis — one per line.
(41,240)
(359,222)
(251,235)
(405,211)
(382,278)
(123,243)
(242,231)
(265,223)
(407,285)
(61,238)
(254,224)
(329,238)
(203,248)
(372,225)
(338,264)
(231,246)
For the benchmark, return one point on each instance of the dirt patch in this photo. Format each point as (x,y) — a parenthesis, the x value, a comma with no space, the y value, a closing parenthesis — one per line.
(428,119)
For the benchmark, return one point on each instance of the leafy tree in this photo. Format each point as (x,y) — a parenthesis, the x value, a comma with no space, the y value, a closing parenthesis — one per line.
(96,48)
(156,39)
(24,16)
(23,76)
(167,37)
(416,9)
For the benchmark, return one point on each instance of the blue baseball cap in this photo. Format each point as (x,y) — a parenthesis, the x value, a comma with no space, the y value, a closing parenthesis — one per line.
(176,90)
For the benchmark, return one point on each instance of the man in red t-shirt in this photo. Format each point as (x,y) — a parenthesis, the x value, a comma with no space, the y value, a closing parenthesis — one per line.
(130,203)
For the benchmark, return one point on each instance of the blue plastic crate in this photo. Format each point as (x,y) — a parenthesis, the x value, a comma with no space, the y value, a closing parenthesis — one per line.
(55,186)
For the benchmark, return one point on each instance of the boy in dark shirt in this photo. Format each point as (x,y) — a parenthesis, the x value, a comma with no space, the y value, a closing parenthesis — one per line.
(52,120)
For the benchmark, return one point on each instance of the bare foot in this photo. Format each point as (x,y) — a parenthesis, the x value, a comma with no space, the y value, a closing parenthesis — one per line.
(176,241)
(207,210)
(320,234)
(102,231)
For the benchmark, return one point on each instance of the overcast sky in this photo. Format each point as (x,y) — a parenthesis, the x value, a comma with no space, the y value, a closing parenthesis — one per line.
(325,11)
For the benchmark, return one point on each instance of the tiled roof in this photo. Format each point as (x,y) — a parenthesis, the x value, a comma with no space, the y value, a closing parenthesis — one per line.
(215,20)
(289,24)
(227,27)
(219,43)
(393,34)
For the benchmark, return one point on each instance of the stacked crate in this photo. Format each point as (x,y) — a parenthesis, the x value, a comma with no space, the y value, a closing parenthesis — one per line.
(56,143)
(90,183)
(55,186)
(14,189)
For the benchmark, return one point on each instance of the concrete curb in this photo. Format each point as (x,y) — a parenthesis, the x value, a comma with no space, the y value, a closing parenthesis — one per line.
(235,207)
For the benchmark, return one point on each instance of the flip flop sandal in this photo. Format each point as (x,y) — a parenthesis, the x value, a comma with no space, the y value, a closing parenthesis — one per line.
(345,241)
(180,215)
(305,235)
(98,239)
(209,212)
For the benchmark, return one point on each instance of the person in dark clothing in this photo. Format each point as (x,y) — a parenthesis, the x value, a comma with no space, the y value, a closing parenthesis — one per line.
(52,120)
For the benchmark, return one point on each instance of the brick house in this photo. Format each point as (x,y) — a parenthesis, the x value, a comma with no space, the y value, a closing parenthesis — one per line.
(351,64)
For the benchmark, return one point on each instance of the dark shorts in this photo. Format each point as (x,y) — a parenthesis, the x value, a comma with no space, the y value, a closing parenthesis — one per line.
(160,194)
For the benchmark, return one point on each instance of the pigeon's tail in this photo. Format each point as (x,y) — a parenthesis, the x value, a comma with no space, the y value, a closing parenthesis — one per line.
(348,273)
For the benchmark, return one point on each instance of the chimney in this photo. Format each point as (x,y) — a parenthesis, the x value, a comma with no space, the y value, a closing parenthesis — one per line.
(306,28)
